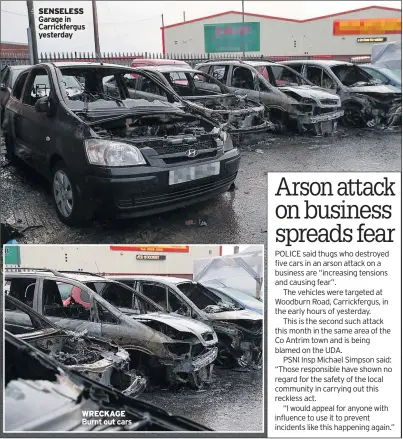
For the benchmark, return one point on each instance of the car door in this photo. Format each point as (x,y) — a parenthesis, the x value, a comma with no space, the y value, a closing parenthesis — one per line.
(244,80)
(35,136)
(74,316)
(5,87)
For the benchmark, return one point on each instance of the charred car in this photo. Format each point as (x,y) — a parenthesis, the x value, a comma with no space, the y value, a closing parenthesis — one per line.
(239,331)
(165,348)
(239,115)
(291,102)
(102,361)
(365,101)
(114,153)
(40,394)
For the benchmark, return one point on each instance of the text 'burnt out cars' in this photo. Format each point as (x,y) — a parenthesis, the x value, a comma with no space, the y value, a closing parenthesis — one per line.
(365,101)
(117,154)
(100,360)
(40,394)
(239,330)
(241,116)
(166,348)
(292,103)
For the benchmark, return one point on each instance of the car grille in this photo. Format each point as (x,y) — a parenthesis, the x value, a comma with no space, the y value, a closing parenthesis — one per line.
(334,102)
(164,150)
(182,158)
(174,196)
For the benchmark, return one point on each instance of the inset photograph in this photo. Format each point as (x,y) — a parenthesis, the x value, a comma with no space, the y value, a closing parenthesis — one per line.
(133,338)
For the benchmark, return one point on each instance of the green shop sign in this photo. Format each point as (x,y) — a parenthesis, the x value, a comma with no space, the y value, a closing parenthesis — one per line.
(12,255)
(232,37)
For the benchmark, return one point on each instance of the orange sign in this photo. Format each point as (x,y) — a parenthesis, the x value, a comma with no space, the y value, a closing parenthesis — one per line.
(368,26)
(151,248)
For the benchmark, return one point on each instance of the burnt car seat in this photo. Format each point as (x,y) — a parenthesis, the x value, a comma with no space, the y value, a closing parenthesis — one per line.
(243,78)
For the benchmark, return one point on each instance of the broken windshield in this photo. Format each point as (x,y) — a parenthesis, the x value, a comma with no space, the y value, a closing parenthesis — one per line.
(351,75)
(109,88)
(208,301)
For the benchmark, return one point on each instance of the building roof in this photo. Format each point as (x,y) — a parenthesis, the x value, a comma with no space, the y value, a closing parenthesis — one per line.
(248,14)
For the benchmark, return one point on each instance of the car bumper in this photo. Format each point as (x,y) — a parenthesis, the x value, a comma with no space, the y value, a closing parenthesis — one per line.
(251,135)
(197,363)
(145,190)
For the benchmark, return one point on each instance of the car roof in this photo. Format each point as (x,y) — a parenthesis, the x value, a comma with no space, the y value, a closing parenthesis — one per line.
(61,64)
(18,67)
(261,63)
(319,62)
(171,68)
(80,277)
(234,61)
(160,61)
(169,279)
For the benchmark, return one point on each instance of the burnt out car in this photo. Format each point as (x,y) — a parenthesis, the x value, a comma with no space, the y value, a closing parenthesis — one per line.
(239,330)
(365,101)
(166,348)
(114,153)
(8,76)
(100,360)
(291,102)
(239,115)
(40,394)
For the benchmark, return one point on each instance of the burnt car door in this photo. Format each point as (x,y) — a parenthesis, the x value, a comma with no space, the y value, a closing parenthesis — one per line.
(5,88)
(35,130)
(74,316)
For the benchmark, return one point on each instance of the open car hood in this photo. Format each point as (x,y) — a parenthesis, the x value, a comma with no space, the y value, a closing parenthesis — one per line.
(381,89)
(306,91)
(180,323)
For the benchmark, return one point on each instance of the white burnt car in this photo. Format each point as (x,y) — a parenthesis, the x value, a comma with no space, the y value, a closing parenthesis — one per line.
(291,102)
(164,347)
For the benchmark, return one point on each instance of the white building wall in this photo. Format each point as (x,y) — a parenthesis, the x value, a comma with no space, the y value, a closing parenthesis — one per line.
(277,36)
(101,259)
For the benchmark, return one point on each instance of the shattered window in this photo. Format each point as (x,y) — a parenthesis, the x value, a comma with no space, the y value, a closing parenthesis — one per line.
(38,86)
(156,293)
(350,75)
(17,91)
(106,316)
(314,74)
(118,295)
(23,289)
(219,72)
(74,307)
(285,76)
(177,305)
(327,81)
(204,83)
(242,77)
(149,86)
(199,295)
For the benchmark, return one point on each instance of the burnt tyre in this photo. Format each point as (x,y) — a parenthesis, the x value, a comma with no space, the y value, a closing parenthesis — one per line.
(353,115)
(69,203)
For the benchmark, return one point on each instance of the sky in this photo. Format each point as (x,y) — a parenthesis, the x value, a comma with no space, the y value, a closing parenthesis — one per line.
(134,26)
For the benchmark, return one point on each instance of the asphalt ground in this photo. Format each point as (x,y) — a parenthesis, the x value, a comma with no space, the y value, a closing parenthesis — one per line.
(232,218)
(233,402)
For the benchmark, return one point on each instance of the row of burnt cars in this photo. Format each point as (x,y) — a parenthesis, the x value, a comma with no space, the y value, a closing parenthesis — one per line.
(132,141)
(77,341)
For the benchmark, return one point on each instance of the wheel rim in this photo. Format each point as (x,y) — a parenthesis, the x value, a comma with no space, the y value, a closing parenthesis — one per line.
(63,193)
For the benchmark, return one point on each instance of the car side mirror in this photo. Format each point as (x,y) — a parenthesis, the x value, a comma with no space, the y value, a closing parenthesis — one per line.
(3,86)
(42,105)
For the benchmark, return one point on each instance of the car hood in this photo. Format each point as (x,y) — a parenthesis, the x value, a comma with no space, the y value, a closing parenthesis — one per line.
(176,321)
(306,91)
(236,315)
(381,89)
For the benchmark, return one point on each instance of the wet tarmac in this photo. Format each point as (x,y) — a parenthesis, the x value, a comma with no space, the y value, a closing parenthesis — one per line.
(234,401)
(234,217)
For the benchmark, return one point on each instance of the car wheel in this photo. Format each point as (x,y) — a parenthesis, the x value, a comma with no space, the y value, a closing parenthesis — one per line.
(353,115)
(70,206)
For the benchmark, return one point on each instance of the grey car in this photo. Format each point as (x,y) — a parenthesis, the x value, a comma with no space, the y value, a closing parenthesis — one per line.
(239,331)
(291,102)
(366,102)
(165,347)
